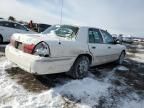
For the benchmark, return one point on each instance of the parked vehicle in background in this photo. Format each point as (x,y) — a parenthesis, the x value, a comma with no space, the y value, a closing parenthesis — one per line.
(8,28)
(128,40)
(37,27)
(118,38)
(142,40)
(64,48)
(43,27)
(115,37)
(137,40)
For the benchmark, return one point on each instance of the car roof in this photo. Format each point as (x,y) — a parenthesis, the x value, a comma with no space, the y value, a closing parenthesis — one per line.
(82,26)
(2,20)
(11,21)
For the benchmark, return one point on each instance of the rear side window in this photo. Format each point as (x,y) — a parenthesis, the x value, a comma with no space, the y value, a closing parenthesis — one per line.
(94,36)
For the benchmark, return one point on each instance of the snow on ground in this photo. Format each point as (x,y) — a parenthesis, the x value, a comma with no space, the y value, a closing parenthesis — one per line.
(133,104)
(139,57)
(85,93)
(141,60)
(122,68)
(13,95)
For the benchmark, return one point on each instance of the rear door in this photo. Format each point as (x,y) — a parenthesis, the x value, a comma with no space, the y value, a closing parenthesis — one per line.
(96,46)
(112,49)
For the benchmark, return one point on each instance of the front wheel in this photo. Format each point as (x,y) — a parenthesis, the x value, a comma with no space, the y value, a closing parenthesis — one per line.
(80,68)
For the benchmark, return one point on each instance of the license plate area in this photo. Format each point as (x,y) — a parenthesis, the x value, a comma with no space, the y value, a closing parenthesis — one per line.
(18,45)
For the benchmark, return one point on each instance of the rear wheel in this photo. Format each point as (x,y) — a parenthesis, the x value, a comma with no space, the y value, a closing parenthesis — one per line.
(121,58)
(80,68)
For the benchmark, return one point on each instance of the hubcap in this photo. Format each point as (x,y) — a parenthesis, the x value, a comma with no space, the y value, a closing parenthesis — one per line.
(83,66)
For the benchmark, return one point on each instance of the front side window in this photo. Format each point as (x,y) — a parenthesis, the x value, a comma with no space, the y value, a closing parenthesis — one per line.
(95,36)
(107,37)
(62,30)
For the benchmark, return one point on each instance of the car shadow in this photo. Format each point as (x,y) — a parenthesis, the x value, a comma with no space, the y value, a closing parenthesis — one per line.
(101,71)
(36,83)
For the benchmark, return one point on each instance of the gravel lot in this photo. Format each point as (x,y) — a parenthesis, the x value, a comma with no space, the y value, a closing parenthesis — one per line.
(107,86)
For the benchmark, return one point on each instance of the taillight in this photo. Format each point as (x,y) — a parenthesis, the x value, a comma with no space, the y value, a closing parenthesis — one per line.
(28,48)
(42,49)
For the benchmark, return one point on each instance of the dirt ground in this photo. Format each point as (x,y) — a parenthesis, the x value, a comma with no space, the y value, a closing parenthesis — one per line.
(125,82)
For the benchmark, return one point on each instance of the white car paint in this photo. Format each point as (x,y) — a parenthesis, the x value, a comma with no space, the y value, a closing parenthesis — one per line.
(6,31)
(63,52)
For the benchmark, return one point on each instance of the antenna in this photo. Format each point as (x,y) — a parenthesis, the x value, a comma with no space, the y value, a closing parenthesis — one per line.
(61,16)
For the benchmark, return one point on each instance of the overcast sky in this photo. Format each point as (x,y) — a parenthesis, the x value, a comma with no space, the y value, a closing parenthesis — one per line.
(117,16)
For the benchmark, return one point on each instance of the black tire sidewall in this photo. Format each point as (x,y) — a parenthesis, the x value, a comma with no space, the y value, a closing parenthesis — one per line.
(75,71)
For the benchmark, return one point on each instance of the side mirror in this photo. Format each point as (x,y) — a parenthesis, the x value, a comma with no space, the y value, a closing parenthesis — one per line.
(117,41)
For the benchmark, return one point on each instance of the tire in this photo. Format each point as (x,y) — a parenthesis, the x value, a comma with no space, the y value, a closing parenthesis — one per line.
(1,39)
(80,68)
(121,58)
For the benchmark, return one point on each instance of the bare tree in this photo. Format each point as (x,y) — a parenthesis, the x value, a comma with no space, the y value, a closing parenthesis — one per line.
(11,18)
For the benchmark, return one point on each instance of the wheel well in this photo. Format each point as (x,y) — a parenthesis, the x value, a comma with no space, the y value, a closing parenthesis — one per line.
(124,51)
(1,36)
(87,55)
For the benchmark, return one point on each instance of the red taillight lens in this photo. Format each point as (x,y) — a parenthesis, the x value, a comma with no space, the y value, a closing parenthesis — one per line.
(28,48)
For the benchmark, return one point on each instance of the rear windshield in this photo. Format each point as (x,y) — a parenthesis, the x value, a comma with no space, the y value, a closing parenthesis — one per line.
(62,30)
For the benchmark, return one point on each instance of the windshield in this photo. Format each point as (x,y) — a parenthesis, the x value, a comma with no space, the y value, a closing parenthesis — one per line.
(62,30)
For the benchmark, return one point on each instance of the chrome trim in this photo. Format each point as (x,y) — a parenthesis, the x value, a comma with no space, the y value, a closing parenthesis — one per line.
(53,60)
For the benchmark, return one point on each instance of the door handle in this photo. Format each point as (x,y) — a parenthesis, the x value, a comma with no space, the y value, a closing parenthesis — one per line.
(109,47)
(93,47)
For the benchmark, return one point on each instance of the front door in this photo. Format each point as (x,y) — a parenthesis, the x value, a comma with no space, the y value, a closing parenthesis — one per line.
(112,49)
(96,46)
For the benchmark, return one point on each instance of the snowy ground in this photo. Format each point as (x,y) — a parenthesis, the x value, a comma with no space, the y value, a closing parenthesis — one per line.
(107,86)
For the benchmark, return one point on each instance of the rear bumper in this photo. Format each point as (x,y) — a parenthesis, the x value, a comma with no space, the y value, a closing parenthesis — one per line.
(23,60)
(38,65)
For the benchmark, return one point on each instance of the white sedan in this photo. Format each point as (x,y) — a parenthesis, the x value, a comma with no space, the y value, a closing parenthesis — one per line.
(8,28)
(64,48)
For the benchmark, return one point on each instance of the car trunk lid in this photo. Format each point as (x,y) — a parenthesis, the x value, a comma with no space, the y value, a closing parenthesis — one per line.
(27,42)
